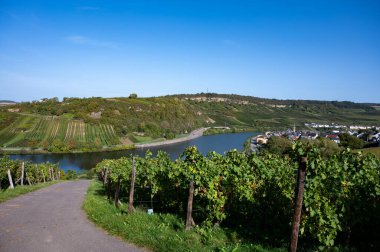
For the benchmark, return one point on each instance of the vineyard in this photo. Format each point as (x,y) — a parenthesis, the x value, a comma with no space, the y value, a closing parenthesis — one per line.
(54,133)
(254,194)
(95,124)
(15,172)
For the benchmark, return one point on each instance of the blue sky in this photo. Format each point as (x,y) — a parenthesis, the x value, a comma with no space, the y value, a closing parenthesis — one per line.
(324,50)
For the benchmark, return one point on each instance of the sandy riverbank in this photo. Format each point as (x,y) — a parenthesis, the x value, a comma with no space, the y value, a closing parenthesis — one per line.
(194,134)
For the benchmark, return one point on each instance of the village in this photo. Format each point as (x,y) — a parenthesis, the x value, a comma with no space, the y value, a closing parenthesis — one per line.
(369,134)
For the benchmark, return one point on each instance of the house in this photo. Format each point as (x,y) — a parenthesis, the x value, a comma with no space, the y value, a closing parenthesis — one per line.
(374,137)
(312,135)
(14,110)
(43,100)
(260,139)
(96,115)
(333,137)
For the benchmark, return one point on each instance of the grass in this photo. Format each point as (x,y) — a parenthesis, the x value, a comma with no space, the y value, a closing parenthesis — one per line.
(146,139)
(158,232)
(181,135)
(19,190)
(142,139)
(373,150)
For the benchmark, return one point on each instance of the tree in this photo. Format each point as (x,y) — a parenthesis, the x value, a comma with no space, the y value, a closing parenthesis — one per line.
(71,144)
(54,99)
(32,143)
(278,145)
(133,96)
(57,146)
(348,141)
(326,146)
(97,143)
(45,144)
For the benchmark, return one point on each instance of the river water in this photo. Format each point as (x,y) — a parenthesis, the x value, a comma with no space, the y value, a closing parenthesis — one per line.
(84,161)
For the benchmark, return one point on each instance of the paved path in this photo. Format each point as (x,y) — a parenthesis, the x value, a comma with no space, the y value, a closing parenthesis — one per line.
(52,219)
(194,134)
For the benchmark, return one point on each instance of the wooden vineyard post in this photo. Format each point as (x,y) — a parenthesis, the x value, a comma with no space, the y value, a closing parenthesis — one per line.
(189,218)
(43,175)
(117,192)
(10,178)
(109,187)
(300,188)
(27,178)
(22,173)
(105,176)
(102,176)
(132,190)
(50,173)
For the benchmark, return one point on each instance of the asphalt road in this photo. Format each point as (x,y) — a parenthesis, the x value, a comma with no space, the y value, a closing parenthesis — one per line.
(52,219)
(194,134)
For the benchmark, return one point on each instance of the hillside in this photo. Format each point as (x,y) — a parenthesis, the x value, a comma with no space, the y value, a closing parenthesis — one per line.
(6,103)
(97,123)
(262,114)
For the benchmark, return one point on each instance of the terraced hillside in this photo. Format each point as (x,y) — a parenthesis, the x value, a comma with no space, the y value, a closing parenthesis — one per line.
(51,132)
(93,123)
(262,114)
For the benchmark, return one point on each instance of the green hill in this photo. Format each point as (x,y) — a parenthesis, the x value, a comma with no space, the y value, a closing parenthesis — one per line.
(262,114)
(97,123)
(6,102)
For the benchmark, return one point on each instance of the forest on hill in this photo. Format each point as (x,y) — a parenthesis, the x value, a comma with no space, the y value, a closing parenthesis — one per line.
(97,123)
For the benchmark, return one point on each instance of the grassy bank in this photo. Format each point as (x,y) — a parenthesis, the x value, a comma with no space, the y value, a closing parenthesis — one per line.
(214,131)
(27,151)
(19,190)
(373,150)
(158,232)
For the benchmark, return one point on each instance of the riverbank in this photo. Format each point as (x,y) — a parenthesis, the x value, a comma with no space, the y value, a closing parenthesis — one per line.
(84,161)
(26,151)
(194,134)
(224,130)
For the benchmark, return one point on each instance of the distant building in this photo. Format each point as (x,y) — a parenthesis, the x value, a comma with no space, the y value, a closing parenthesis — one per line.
(14,110)
(96,115)
(261,139)
(333,137)
(43,100)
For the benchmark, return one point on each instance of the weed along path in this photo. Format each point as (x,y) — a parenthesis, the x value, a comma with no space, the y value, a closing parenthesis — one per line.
(52,219)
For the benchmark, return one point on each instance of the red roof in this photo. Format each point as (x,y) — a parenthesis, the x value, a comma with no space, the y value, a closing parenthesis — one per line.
(332,136)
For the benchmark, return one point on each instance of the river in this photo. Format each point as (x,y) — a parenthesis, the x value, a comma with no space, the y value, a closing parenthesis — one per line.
(84,161)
